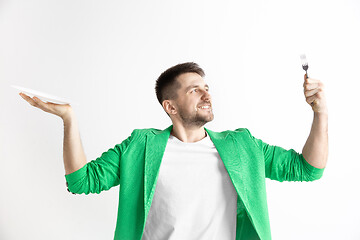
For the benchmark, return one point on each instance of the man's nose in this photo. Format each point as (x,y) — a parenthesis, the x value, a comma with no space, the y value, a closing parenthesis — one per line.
(206,95)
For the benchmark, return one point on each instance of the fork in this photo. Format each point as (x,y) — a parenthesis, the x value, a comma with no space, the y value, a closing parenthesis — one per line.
(304,64)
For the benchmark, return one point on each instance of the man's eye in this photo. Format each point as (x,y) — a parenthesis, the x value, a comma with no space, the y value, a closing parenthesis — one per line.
(195,90)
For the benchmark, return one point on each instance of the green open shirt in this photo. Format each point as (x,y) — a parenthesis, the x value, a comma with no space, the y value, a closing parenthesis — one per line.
(135,163)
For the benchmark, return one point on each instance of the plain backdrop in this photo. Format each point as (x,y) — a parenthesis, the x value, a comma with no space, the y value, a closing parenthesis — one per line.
(106,56)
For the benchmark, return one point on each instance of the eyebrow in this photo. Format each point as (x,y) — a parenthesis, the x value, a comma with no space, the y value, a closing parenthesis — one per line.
(194,86)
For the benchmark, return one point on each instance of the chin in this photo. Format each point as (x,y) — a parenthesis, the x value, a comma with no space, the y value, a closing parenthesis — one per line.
(209,120)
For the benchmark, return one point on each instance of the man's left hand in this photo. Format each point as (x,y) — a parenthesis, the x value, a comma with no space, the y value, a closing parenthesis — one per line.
(314,94)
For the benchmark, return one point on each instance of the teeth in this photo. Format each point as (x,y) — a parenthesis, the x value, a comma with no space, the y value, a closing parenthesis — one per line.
(205,107)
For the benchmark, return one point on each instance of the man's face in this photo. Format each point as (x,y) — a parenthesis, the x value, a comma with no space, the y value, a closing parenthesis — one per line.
(192,97)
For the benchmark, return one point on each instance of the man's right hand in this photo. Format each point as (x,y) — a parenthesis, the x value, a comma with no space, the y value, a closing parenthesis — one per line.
(61,110)
(74,156)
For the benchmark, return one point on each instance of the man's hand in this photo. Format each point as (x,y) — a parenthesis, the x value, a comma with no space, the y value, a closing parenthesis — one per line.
(74,156)
(314,94)
(61,110)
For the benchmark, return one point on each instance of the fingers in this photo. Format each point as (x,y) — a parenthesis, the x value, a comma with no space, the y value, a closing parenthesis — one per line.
(311,83)
(310,80)
(36,102)
(311,99)
(53,108)
(311,92)
(313,89)
(310,86)
(32,101)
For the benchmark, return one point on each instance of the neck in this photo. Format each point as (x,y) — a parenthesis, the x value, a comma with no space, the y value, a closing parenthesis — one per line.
(188,135)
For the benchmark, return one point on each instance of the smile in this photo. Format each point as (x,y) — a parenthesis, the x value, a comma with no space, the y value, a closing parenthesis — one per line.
(205,108)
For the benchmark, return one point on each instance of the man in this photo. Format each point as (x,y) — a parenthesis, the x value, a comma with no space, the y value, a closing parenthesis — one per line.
(211,185)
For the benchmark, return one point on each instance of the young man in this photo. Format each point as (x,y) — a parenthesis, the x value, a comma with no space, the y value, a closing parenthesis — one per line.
(186,181)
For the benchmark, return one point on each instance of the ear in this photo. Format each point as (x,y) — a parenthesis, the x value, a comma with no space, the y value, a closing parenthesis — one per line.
(169,107)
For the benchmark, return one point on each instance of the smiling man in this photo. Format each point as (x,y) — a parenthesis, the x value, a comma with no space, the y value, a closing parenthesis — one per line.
(186,181)
(190,109)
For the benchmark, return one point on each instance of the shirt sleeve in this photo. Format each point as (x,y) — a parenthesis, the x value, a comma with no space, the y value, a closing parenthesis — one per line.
(286,165)
(99,174)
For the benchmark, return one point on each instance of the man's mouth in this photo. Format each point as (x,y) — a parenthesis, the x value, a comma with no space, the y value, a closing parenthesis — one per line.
(205,107)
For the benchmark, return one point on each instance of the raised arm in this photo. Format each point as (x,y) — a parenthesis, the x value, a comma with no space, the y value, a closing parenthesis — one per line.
(74,156)
(315,150)
(82,176)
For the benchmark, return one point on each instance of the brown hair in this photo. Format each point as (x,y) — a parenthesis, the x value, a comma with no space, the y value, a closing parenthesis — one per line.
(167,85)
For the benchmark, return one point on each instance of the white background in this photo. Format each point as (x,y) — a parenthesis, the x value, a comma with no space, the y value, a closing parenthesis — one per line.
(106,56)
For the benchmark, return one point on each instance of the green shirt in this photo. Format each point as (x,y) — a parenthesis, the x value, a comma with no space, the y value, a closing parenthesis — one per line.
(135,163)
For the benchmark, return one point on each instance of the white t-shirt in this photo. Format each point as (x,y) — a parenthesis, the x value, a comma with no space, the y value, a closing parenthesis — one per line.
(194,196)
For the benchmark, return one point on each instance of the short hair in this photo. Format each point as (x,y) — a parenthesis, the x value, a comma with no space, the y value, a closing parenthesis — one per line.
(167,85)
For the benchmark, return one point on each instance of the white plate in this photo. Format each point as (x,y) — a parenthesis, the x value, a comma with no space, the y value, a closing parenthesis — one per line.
(43,96)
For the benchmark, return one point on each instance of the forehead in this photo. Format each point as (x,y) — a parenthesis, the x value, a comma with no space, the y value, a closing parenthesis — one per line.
(188,79)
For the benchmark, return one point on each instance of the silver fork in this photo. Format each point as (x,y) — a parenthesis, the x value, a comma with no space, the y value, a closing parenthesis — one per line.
(305,67)
(304,64)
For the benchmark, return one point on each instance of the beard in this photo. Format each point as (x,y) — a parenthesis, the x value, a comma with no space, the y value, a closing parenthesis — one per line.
(195,119)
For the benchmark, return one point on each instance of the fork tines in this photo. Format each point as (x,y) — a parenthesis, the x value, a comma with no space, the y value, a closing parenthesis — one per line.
(304,62)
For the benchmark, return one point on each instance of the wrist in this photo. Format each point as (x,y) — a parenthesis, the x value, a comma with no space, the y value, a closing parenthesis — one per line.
(322,114)
(68,115)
